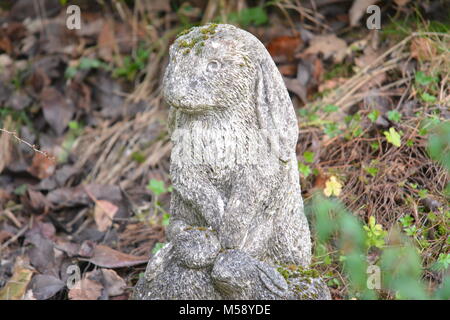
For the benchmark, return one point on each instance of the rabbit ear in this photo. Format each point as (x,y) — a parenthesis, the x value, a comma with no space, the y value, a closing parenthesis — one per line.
(274,109)
(172,120)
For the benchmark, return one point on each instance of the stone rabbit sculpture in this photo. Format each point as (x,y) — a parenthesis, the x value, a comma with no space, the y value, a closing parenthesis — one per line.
(237,211)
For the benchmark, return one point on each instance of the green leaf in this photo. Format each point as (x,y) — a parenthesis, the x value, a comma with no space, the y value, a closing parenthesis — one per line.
(375,146)
(439,144)
(406,221)
(442,262)
(393,137)
(402,270)
(423,193)
(394,115)
(20,190)
(331,129)
(166,219)
(88,63)
(423,79)
(249,16)
(156,186)
(411,231)
(373,115)
(304,169)
(70,72)
(308,156)
(330,108)
(428,97)
(158,246)
(372,171)
(74,125)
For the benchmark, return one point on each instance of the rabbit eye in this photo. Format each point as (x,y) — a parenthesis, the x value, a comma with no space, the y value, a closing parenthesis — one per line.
(213,66)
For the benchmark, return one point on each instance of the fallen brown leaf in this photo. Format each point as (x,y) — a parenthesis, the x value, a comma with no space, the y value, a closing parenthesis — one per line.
(107,43)
(114,284)
(329,45)
(45,286)
(109,258)
(86,289)
(423,49)
(284,46)
(104,213)
(57,109)
(5,144)
(289,70)
(16,286)
(42,166)
(35,201)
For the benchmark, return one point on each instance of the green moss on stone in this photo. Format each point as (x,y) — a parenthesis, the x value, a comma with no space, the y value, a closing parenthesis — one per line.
(184,32)
(206,32)
(210,29)
(293,271)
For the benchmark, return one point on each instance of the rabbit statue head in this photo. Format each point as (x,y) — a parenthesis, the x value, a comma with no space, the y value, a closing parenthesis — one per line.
(221,68)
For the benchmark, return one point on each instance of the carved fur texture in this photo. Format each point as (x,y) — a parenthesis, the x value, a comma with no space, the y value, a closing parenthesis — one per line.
(234,172)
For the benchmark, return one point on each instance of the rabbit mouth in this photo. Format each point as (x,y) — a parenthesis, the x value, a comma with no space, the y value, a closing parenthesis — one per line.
(192,108)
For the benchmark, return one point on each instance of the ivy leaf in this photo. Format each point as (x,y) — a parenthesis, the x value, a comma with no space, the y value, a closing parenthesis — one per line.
(332,187)
(393,137)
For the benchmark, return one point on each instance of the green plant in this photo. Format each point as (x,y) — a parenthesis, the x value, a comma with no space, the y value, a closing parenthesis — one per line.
(428,97)
(406,221)
(158,188)
(375,233)
(372,171)
(304,169)
(443,262)
(84,64)
(21,190)
(439,142)
(331,129)
(158,246)
(308,156)
(138,157)
(394,115)
(75,130)
(400,264)
(250,16)
(330,108)
(373,115)
(393,137)
(423,80)
(133,64)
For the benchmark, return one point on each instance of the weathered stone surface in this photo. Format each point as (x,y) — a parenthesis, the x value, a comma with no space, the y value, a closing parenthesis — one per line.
(237,211)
